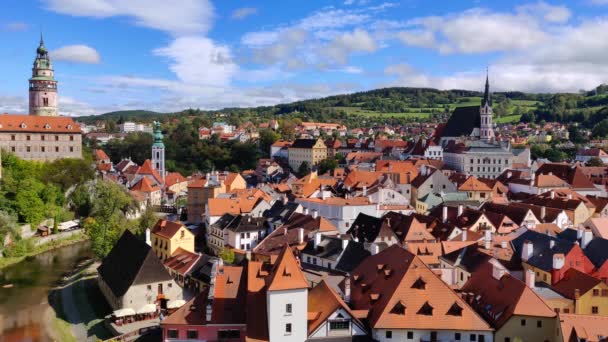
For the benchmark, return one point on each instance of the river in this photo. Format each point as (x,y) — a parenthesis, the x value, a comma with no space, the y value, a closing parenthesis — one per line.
(24,306)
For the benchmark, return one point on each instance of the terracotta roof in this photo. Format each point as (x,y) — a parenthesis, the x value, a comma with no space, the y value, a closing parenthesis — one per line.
(147,169)
(174,178)
(574,175)
(38,124)
(338,201)
(549,181)
(588,327)
(473,184)
(166,229)
(428,252)
(181,261)
(359,179)
(575,280)
(322,302)
(282,143)
(229,295)
(145,185)
(286,274)
(399,291)
(497,300)
(191,313)
(101,155)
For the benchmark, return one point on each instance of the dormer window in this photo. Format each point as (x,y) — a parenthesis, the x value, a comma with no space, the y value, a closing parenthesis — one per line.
(419,284)
(399,308)
(23,125)
(455,310)
(426,310)
(69,126)
(47,126)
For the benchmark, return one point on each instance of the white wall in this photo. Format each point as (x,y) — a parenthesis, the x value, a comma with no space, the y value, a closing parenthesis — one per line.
(276,302)
(324,329)
(425,335)
(139,295)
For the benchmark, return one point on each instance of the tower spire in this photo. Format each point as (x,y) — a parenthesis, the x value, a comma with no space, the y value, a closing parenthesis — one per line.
(487,98)
(41,39)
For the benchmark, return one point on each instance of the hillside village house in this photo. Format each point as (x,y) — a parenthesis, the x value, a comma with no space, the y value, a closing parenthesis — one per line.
(168,236)
(311,151)
(213,184)
(131,276)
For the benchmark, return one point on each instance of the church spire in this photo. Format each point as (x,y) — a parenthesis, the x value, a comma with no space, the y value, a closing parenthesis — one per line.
(487,98)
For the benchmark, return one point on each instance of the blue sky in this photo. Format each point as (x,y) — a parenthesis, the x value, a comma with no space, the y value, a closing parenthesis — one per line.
(170,55)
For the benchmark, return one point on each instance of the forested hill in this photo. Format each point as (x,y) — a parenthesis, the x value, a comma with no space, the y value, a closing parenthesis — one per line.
(404,104)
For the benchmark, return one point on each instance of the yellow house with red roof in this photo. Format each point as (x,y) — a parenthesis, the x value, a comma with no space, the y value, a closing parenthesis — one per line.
(168,236)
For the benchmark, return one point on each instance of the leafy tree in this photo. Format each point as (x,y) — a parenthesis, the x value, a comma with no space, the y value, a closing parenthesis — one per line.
(30,206)
(55,225)
(304,169)
(8,225)
(327,165)
(227,255)
(595,161)
(267,138)
(600,130)
(147,220)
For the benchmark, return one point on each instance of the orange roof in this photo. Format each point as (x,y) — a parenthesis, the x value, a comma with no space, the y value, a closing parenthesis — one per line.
(287,274)
(101,155)
(428,252)
(145,185)
(550,181)
(400,292)
(146,169)
(38,124)
(166,229)
(473,184)
(322,302)
(359,179)
(339,201)
(588,327)
(229,294)
(174,178)
(282,143)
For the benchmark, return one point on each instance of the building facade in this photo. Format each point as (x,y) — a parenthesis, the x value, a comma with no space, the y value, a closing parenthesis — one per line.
(158,151)
(309,151)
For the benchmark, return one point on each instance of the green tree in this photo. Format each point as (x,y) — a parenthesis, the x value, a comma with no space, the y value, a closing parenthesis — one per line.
(8,226)
(30,207)
(328,164)
(595,161)
(267,138)
(227,255)
(601,129)
(304,169)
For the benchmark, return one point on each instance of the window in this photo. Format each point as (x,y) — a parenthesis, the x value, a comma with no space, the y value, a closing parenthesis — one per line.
(56,138)
(389,334)
(248,235)
(42,137)
(308,260)
(556,310)
(227,334)
(192,334)
(595,310)
(604,293)
(45,101)
(71,138)
(596,292)
(28,138)
(71,148)
(288,308)
(12,148)
(539,324)
(13,137)
(566,310)
(507,339)
(339,325)
(410,335)
(457,336)
(28,149)
(149,287)
(433,336)
(472,337)
(56,148)
(288,329)
(182,234)
(242,235)
(42,149)
(523,322)
(169,285)
(172,333)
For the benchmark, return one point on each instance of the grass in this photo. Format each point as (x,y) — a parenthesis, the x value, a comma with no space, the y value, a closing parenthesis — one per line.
(78,237)
(508,119)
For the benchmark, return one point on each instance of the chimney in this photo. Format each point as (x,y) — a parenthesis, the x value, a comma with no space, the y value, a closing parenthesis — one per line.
(148,241)
(317,239)
(488,239)
(305,211)
(543,213)
(509,174)
(577,295)
(579,234)
(300,236)
(552,194)
(498,270)
(503,244)
(208,313)
(315,213)
(374,249)
(587,237)
(530,279)
(445,214)
(347,290)
(527,250)
(551,243)
(460,209)
(365,190)
(464,234)
(569,196)
(220,266)
(285,199)
(344,243)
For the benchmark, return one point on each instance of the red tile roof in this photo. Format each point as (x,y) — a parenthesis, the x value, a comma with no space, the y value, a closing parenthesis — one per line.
(38,124)
(166,229)
(286,274)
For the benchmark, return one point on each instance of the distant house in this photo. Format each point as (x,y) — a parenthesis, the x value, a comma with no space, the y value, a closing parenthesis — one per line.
(131,276)
(309,151)
(584,155)
(168,236)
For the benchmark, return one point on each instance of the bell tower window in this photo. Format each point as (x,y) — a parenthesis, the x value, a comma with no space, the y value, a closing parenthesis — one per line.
(45,101)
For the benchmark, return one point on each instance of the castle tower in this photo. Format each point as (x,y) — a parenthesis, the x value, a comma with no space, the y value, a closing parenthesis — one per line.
(43,87)
(486,131)
(158,151)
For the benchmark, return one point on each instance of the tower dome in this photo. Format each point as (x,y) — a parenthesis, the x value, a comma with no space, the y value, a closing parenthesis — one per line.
(43,87)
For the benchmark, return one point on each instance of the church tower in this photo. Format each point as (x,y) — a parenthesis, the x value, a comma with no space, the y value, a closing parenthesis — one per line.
(43,87)
(158,151)
(486,132)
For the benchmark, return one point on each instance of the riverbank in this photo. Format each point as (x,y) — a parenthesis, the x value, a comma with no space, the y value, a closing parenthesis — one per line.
(45,247)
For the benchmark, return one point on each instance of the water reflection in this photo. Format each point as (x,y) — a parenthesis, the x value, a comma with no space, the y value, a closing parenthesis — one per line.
(24,305)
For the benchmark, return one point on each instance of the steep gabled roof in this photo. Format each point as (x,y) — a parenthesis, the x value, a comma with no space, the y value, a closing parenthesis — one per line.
(131,262)
(398,291)
(166,229)
(542,252)
(597,251)
(575,280)
(324,301)
(473,184)
(462,122)
(145,185)
(286,274)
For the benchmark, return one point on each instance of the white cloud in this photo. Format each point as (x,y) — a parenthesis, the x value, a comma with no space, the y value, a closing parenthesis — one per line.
(419,38)
(350,42)
(15,26)
(200,61)
(550,13)
(243,12)
(76,54)
(336,18)
(176,17)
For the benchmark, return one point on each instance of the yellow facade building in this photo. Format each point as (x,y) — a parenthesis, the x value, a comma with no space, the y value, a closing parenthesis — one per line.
(168,236)
(311,151)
